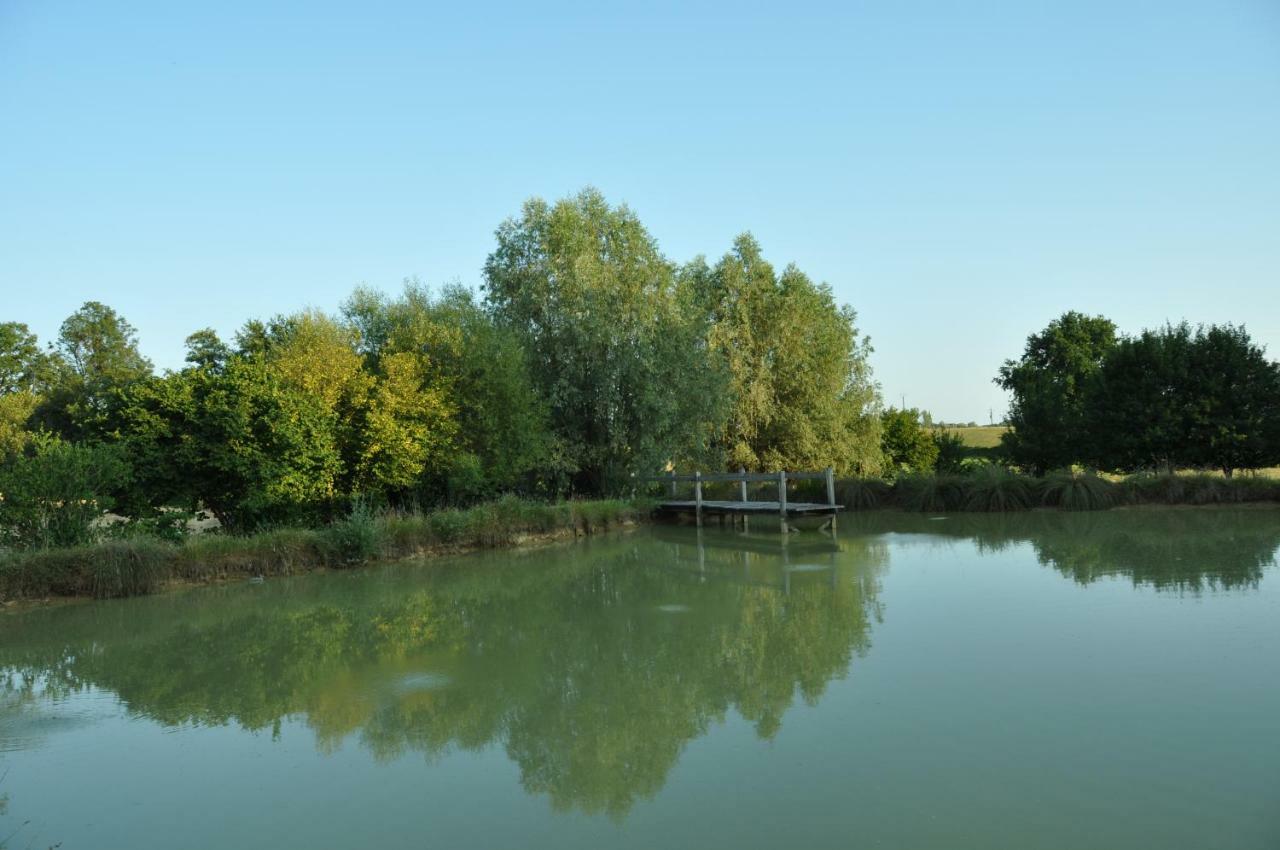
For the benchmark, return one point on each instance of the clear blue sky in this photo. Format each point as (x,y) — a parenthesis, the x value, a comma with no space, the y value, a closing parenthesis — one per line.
(960,173)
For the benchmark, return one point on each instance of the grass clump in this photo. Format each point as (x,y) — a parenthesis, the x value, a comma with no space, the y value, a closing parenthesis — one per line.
(930,493)
(864,494)
(1077,491)
(995,490)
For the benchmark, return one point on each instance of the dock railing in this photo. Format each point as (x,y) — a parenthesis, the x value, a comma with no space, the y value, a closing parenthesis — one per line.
(742,478)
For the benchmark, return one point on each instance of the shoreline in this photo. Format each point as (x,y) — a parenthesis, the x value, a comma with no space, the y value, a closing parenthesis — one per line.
(143,567)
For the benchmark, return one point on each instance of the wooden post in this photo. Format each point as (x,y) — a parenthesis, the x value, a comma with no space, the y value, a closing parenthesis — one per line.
(672,473)
(782,499)
(697,497)
(831,495)
(742,485)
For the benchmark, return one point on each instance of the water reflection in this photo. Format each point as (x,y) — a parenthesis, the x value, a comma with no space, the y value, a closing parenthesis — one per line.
(1189,550)
(589,666)
(592,666)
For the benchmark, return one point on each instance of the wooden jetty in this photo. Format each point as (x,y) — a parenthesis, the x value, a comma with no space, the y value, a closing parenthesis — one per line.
(742,508)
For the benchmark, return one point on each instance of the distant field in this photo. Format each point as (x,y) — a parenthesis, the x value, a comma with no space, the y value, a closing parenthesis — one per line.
(980,437)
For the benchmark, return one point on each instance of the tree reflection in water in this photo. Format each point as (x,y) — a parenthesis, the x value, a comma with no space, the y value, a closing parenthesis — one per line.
(593,666)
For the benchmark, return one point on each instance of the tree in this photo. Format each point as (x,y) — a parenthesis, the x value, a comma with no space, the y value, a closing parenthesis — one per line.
(1136,406)
(798,373)
(23,366)
(502,438)
(907,445)
(1233,399)
(96,354)
(596,305)
(1048,385)
(205,350)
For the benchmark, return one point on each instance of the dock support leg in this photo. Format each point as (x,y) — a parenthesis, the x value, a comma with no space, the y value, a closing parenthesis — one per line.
(697,497)
(782,500)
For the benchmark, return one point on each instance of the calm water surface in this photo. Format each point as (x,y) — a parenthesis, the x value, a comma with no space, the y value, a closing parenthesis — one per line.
(1037,681)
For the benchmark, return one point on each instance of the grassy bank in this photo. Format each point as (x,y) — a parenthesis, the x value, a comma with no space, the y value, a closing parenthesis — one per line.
(134,567)
(996,489)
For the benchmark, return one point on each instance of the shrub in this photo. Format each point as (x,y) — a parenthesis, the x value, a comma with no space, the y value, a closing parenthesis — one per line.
(448,525)
(1077,492)
(355,539)
(53,495)
(952,452)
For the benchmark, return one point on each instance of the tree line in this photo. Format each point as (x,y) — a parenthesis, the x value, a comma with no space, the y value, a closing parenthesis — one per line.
(1171,398)
(587,358)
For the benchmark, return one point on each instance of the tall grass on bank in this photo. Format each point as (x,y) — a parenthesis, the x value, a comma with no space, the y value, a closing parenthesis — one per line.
(140,565)
(1077,491)
(995,489)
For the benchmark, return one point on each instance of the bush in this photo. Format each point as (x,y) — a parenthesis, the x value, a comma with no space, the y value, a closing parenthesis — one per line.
(952,452)
(355,539)
(1077,492)
(53,495)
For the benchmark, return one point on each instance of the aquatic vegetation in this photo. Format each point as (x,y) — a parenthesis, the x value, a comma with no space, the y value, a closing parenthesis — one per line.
(864,494)
(1077,491)
(136,566)
(931,493)
(994,489)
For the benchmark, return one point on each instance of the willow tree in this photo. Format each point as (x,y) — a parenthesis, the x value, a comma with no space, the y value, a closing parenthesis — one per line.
(799,377)
(614,350)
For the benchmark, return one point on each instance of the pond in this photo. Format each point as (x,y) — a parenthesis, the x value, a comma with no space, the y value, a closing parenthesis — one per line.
(1045,680)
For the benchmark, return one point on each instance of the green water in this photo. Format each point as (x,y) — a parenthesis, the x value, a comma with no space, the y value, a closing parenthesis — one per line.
(1036,681)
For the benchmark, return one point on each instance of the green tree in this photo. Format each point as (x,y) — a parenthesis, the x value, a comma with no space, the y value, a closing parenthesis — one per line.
(907,445)
(1233,401)
(597,306)
(1048,384)
(23,366)
(96,354)
(799,379)
(1136,406)
(1177,397)
(25,372)
(502,438)
(205,350)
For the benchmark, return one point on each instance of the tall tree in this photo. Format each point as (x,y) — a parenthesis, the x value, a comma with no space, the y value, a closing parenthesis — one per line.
(623,368)
(1048,385)
(25,372)
(1136,405)
(798,370)
(97,354)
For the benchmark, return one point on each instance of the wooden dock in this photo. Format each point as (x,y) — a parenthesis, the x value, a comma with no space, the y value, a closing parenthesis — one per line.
(743,507)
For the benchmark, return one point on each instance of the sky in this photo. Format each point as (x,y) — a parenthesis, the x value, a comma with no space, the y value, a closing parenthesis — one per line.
(959,172)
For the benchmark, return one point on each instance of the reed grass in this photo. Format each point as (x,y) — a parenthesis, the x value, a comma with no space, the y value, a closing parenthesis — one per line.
(137,566)
(1077,491)
(997,490)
